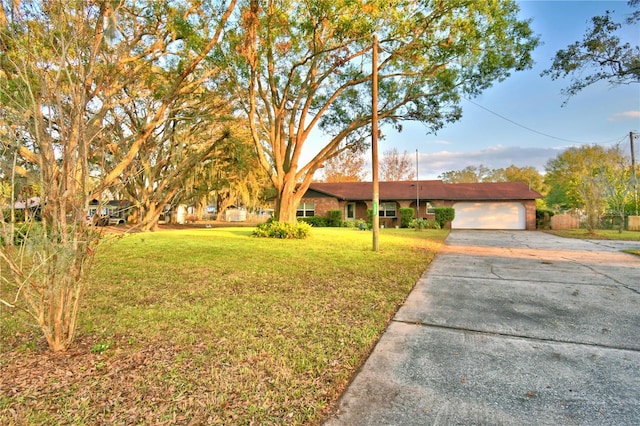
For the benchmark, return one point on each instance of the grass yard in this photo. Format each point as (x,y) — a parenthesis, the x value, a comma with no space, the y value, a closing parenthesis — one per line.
(600,234)
(211,326)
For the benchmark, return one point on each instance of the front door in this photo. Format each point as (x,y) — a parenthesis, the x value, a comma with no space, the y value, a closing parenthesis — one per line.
(350,213)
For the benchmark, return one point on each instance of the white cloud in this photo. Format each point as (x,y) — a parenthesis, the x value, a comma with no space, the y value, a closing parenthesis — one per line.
(433,164)
(624,115)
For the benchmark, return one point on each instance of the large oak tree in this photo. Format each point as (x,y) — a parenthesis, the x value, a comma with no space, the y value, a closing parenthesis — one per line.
(296,66)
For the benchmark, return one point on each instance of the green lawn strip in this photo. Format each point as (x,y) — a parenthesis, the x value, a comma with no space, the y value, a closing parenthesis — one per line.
(632,251)
(214,326)
(600,234)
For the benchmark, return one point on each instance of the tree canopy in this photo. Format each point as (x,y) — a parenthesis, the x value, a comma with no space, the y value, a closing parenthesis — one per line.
(601,55)
(96,95)
(304,65)
(395,166)
(71,73)
(472,174)
(348,166)
(585,178)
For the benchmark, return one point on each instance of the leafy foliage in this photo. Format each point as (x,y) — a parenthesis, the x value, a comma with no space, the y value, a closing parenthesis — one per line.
(18,215)
(481,173)
(592,178)
(334,218)
(282,230)
(315,221)
(470,174)
(406,215)
(419,224)
(48,80)
(346,166)
(543,218)
(600,56)
(86,90)
(395,166)
(305,65)
(444,215)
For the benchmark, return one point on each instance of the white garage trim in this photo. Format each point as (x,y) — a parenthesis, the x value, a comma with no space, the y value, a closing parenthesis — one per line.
(489,215)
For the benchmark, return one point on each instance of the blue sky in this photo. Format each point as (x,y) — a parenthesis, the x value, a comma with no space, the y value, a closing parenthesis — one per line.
(487,135)
(599,114)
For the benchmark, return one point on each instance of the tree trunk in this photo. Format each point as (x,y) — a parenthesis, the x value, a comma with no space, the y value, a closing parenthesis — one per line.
(150,217)
(223,201)
(287,202)
(201,208)
(621,228)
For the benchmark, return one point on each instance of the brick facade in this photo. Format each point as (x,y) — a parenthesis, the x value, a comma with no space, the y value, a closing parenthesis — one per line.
(323,204)
(340,196)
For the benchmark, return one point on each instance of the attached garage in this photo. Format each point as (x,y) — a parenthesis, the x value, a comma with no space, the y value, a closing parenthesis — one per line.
(489,215)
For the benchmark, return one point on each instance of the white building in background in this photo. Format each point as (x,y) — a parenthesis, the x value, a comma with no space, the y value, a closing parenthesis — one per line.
(235,215)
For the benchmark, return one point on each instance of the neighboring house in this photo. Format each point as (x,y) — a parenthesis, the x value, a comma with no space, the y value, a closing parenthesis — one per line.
(503,205)
(113,212)
(29,208)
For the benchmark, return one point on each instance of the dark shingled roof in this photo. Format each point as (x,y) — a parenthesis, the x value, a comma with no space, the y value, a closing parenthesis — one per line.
(428,190)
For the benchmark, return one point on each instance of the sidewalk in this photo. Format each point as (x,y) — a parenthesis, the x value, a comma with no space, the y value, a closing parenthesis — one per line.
(509,328)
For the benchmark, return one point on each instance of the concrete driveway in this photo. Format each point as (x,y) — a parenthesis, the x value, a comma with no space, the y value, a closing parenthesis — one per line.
(509,328)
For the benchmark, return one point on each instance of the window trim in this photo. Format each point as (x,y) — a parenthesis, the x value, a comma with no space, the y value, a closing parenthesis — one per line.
(306,209)
(346,210)
(384,212)
(431,208)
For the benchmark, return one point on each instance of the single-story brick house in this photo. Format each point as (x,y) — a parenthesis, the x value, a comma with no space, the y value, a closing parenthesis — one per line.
(503,205)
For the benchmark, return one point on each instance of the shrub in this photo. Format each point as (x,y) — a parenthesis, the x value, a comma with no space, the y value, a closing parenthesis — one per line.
(334,218)
(315,221)
(418,224)
(283,230)
(18,215)
(406,215)
(543,218)
(444,215)
(23,232)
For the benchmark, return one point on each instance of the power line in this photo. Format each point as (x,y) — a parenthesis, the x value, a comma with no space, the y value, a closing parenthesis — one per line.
(542,133)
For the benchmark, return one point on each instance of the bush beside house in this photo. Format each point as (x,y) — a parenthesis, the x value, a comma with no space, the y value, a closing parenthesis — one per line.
(444,215)
(334,218)
(406,215)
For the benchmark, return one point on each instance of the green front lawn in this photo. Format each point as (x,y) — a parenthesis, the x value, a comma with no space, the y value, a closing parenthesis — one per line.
(213,326)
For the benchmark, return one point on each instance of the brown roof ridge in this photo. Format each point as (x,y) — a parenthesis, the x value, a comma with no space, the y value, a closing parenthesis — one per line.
(434,189)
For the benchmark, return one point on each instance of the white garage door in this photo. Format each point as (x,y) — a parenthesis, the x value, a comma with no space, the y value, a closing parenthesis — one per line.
(489,215)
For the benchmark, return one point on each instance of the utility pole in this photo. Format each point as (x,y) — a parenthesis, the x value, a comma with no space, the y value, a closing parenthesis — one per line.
(417,188)
(633,173)
(374,144)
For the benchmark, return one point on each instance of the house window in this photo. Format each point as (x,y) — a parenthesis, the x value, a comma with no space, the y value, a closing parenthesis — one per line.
(307,209)
(431,209)
(351,211)
(387,210)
